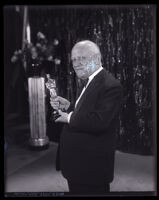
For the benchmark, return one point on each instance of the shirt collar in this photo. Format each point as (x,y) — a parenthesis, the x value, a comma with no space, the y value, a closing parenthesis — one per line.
(95,73)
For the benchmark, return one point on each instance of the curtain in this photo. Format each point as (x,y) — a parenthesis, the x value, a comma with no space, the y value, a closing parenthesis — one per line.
(126,37)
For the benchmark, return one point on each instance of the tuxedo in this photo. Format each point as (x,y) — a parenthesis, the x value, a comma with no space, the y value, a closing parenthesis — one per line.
(87,142)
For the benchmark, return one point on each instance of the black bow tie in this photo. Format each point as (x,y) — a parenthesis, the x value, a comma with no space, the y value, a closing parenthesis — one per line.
(84,82)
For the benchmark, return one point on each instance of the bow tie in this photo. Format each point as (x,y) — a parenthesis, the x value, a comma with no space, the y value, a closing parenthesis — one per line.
(81,86)
(84,82)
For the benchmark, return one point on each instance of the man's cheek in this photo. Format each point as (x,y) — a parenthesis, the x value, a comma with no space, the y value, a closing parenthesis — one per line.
(90,67)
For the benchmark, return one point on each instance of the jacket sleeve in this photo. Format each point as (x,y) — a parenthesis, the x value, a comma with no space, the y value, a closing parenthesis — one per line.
(98,119)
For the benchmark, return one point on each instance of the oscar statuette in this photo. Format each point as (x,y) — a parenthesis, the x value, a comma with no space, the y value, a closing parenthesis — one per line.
(51,86)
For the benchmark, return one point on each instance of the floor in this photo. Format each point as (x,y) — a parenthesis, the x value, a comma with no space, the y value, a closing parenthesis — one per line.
(34,171)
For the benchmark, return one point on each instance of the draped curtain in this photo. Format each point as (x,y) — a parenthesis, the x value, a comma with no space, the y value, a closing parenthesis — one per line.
(126,37)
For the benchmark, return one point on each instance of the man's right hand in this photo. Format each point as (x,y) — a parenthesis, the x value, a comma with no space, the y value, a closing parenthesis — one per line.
(59,103)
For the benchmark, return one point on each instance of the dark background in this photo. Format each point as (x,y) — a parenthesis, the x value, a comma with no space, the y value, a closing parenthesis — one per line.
(126,37)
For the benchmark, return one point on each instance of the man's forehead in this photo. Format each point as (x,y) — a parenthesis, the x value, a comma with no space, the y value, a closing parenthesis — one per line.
(80,52)
(85,49)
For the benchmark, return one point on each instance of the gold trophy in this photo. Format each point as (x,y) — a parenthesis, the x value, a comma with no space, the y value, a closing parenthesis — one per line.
(51,86)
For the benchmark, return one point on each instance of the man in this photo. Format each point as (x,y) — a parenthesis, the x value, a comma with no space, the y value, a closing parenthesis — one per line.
(87,142)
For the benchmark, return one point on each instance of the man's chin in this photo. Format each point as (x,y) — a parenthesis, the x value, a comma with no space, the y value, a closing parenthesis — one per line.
(81,76)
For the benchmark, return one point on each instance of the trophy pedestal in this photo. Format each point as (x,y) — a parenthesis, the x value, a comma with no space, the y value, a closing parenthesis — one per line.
(38,137)
(39,142)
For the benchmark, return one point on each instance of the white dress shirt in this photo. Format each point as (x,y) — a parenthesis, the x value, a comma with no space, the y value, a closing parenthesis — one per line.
(89,80)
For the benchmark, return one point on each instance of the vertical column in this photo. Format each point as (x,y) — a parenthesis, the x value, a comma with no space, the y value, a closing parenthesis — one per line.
(37,111)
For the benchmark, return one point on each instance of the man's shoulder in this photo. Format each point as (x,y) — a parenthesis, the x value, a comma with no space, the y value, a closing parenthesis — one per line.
(109,79)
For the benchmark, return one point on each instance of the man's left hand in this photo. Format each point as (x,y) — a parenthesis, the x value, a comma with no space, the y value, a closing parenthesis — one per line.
(63,117)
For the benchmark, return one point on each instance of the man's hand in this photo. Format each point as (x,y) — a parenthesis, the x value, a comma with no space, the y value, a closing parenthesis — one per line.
(63,117)
(59,103)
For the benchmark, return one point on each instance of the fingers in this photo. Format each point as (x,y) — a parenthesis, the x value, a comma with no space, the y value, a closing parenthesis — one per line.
(59,99)
(54,98)
(62,100)
(60,112)
(58,119)
(62,117)
(62,103)
(55,105)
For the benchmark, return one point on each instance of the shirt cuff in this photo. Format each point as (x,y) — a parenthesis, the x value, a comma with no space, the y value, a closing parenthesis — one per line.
(69,116)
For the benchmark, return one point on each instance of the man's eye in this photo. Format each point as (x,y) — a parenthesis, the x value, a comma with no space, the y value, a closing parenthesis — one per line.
(74,60)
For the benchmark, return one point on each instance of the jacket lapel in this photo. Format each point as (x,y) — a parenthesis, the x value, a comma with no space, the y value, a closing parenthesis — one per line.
(91,88)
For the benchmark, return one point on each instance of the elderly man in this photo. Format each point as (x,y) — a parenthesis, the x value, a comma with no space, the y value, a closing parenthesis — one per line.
(87,142)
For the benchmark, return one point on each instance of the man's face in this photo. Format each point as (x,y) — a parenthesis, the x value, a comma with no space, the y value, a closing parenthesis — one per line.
(82,63)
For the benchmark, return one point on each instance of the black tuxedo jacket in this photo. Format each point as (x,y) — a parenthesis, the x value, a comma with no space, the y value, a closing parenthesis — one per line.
(87,143)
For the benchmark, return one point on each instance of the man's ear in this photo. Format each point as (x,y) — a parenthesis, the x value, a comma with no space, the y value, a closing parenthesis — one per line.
(96,61)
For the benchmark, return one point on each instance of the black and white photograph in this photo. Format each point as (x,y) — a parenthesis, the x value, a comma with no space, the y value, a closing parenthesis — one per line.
(80,100)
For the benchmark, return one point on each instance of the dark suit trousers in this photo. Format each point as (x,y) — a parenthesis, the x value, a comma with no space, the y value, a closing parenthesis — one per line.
(75,188)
